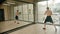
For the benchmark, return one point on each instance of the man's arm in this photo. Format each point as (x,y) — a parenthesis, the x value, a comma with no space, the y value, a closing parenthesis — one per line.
(45,12)
(51,12)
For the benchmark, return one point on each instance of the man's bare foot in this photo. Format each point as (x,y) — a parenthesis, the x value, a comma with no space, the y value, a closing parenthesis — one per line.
(17,22)
(14,21)
(44,28)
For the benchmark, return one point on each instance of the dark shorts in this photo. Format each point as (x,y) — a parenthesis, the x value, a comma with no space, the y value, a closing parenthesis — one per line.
(48,19)
(16,17)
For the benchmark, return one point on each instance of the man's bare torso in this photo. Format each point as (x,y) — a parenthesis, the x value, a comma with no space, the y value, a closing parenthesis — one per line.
(16,13)
(48,12)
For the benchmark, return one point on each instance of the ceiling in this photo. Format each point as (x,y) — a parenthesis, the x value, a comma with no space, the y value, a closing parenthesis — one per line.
(26,1)
(8,2)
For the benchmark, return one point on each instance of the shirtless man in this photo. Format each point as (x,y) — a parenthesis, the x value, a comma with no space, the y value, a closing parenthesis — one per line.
(16,17)
(48,18)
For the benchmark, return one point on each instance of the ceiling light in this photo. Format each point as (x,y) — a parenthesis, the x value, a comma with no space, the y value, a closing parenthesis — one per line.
(5,4)
(10,2)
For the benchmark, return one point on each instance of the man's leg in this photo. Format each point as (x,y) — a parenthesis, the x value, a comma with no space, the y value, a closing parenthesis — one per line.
(17,21)
(54,27)
(45,23)
(44,26)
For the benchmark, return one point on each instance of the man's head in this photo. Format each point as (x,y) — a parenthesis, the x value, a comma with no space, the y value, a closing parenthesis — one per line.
(17,10)
(47,8)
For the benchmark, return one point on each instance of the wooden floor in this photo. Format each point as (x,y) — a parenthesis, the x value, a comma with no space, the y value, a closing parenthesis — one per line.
(8,25)
(32,29)
(37,29)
